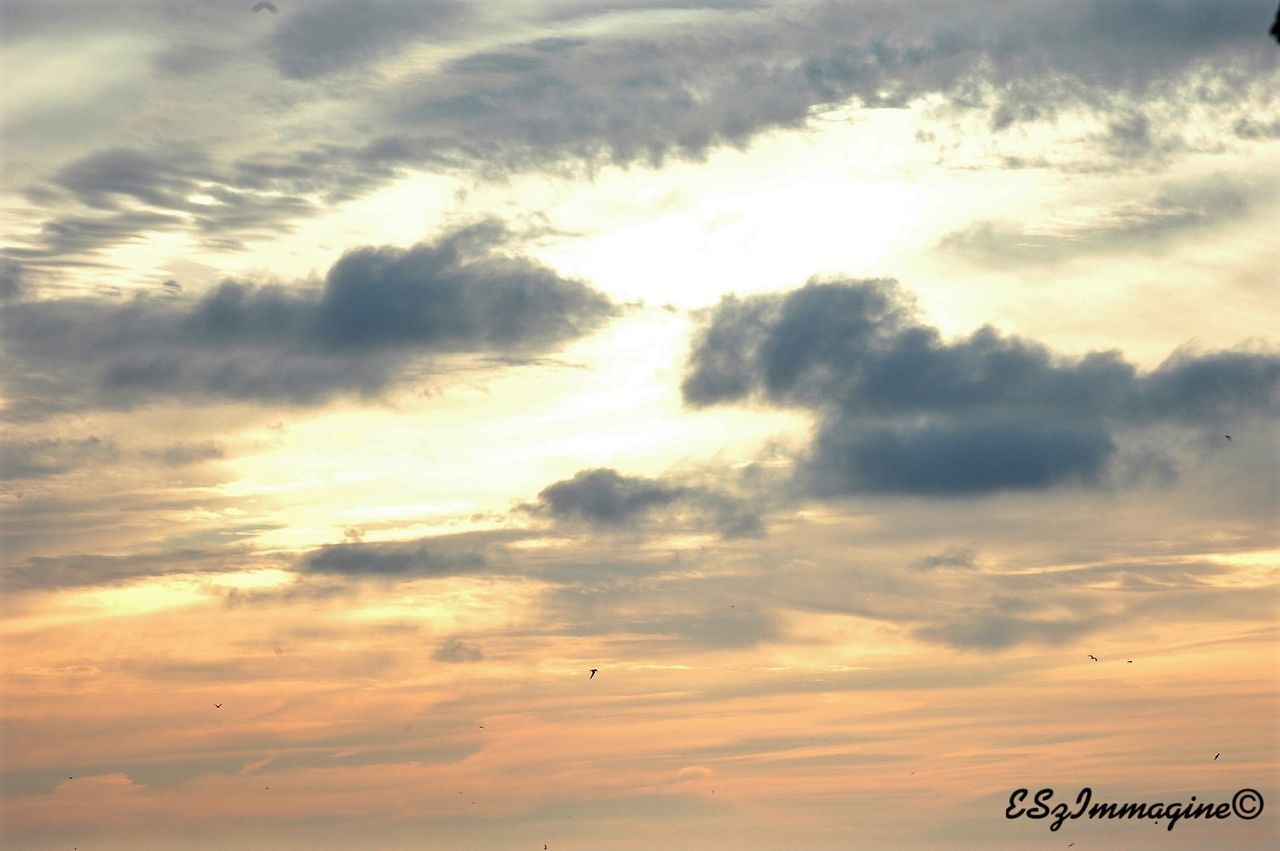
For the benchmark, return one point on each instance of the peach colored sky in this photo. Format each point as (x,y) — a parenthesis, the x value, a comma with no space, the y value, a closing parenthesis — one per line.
(834,377)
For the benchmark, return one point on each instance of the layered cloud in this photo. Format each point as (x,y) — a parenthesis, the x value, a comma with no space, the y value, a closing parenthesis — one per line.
(378,310)
(331,35)
(447,85)
(901,410)
(1176,212)
(51,456)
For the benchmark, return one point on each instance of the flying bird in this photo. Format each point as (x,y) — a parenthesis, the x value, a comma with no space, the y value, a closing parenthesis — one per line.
(1228,437)
(1094,658)
(593,673)
(217,706)
(1218,754)
(1275,28)
(265,4)
(1130,661)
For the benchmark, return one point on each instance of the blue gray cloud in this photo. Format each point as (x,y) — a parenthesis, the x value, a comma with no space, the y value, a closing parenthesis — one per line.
(605,499)
(377,310)
(901,410)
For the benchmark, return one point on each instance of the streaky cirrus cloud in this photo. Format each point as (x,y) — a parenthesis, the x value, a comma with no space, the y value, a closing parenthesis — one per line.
(1177,211)
(442,555)
(562,89)
(901,410)
(52,456)
(379,308)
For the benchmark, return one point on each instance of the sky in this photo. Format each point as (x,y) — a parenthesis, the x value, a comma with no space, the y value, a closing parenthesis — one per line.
(618,424)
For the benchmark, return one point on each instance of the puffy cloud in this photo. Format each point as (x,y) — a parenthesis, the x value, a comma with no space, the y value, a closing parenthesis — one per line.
(605,499)
(901,410)
(378,308)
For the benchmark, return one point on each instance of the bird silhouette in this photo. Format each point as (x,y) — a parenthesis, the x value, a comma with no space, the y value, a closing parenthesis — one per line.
(1275,28)
(217,706)
(1218,754)
(1094,658)
(1130,661)
(593,673)
(1228,437)
(265,4)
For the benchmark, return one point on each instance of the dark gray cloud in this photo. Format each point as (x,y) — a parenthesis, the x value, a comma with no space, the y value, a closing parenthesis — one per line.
(446,556)
(954,459)
(51,456)
(903,411)
(680,91)
(377,309)
(605,499)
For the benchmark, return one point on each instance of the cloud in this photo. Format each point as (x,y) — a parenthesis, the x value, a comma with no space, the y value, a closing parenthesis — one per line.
(327,36)
(954,459)
(446,556)
(901,410)
(12,280)
(51,456)
(1147,225)
(81,570)
(605,499)
(457,650)
(685,87)
(378,308)
(183,454)
(963,557)
(569,85)
(977,629)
